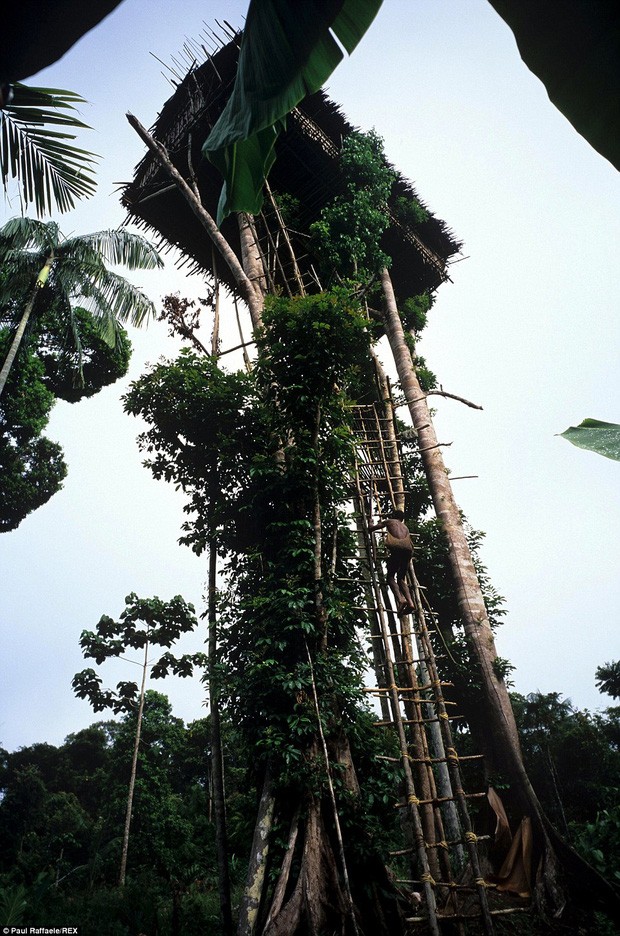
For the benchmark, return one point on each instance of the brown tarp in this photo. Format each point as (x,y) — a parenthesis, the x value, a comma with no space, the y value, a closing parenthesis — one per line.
(515,874)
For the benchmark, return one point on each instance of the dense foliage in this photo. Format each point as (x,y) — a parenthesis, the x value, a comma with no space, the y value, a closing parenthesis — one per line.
(264,458)
(61,814)
(61,822)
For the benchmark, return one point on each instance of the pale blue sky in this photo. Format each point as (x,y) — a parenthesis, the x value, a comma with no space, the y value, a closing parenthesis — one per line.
(528,329)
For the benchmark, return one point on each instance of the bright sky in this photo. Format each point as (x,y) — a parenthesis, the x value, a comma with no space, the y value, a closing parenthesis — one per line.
(529,329)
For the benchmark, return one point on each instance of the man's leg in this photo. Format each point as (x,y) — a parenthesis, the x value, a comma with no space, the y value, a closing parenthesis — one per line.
(403,569)
(406,593)
(393,565)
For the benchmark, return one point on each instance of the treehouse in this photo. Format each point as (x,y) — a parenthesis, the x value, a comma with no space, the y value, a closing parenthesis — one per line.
(304,176)
(449,878)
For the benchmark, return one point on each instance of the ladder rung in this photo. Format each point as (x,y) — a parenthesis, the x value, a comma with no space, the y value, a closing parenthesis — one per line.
(441,799)
(443,760)
(468,916)
(391,634)
(451,843)
(398,689)
(429,760)
(416,721)
(438,760)
(446,885)
(427,686)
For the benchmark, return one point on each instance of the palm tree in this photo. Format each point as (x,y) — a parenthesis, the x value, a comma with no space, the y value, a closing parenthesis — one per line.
(35,148)
(34,255)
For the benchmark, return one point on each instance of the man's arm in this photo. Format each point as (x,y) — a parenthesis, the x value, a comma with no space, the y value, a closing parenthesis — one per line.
(377,526)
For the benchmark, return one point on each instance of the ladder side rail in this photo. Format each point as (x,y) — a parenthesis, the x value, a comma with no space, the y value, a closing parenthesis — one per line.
(402,650)
(377,646)
(454,769)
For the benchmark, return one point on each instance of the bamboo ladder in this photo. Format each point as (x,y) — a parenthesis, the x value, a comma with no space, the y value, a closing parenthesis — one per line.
(442,845)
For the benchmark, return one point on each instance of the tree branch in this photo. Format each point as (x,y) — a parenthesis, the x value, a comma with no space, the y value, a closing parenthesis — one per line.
(453,396)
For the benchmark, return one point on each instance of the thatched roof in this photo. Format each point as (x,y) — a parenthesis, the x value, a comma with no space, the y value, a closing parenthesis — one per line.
(306,168)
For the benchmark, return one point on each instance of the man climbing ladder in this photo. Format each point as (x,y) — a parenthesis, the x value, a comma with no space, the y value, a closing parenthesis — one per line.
(400,551)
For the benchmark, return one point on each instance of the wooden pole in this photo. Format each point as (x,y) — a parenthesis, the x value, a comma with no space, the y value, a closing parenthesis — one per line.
(134,769)
(246,287)
(217,758)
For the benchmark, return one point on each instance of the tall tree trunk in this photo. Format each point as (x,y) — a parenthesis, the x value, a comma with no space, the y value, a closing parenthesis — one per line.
(132,777)
(558,857)
(21,328)
(506,748)
(253,268)
(255,883)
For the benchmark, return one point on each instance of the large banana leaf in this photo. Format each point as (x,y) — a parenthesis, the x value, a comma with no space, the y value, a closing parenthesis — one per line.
(51,171)
(600,437)
(573,46)
(288,50)
(34,34)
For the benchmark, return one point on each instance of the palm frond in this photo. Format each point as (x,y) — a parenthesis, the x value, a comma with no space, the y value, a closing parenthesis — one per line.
(51,171)
(20,234)
(109,297)
(121,248)
(17,279)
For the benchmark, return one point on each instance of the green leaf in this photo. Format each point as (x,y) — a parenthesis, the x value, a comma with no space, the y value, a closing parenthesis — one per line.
(597,436)
(13,904)
(288,51)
